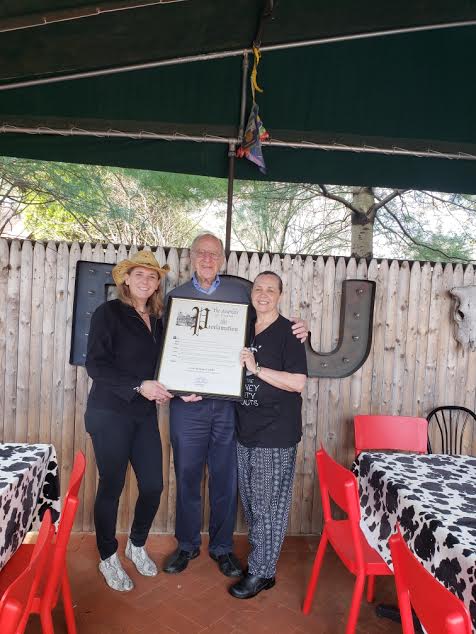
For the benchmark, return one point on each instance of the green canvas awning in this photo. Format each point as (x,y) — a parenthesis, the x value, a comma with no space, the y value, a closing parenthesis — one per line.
(395,110)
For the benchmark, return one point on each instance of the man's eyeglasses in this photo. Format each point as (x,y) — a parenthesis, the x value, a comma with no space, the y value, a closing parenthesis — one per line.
(202,254)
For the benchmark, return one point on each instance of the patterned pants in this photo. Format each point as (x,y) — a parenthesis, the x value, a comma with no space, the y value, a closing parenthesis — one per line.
(265,479)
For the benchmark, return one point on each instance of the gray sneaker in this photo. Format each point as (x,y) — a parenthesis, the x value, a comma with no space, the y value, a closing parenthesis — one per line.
(139,557)
(115,575)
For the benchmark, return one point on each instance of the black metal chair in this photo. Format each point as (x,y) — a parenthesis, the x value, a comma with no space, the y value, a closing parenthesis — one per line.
(451,421)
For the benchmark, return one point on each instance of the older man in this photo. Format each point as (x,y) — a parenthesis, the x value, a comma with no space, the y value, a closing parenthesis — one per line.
(203,431)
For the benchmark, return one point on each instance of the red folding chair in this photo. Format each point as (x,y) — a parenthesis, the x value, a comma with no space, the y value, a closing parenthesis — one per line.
(345,536)
(398,433)
(56,576)
(438,609)
(18,595)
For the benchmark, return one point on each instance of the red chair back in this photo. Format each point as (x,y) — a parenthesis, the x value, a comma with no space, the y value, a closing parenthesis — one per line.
(339,484)
(70,505)
(17,599)
(398,433)
(438,609)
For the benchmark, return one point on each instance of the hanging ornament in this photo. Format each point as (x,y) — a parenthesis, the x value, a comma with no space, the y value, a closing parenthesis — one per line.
(255,131)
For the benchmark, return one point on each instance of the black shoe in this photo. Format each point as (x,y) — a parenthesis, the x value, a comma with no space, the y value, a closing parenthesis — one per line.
(228,564)
(250,586)
(178,560)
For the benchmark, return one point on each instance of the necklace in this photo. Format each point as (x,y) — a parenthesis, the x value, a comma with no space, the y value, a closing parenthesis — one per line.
(142,312)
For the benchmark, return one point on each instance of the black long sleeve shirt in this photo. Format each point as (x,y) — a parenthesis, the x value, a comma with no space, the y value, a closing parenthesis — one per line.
(122,353)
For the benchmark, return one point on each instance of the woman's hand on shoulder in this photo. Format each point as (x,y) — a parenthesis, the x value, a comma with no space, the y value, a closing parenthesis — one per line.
(300,329)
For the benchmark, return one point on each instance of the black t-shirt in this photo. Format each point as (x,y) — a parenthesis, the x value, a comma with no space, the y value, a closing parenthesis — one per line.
(267,415)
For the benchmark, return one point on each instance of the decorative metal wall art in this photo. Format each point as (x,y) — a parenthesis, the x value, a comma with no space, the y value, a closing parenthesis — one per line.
(94,279)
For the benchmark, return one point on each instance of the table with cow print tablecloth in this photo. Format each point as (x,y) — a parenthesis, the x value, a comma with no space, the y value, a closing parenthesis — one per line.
(433,498)
(29,484)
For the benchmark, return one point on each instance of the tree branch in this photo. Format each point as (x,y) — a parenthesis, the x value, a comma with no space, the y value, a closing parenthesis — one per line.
(422,244)
(331,196)
(387,199)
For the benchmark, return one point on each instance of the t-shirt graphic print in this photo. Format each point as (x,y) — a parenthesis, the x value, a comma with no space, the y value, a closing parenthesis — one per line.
(269,416)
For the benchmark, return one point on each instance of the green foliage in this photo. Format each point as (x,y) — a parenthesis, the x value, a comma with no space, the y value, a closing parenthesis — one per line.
(287,218)
(183,188)
(95,203)
(442,248)
(87,202)
(429,226)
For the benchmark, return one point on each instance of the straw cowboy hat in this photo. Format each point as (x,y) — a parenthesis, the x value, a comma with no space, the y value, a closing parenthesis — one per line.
(141,258)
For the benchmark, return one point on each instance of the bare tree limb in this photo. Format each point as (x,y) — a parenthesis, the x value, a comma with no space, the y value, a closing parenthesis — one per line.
(387,199)
(340,199)
(422,244)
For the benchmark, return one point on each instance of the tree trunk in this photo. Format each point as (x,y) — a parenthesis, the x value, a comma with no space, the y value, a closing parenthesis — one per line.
(362,231)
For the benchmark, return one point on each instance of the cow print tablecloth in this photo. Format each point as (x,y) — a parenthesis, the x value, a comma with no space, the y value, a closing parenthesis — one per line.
(433,498)
(29,484)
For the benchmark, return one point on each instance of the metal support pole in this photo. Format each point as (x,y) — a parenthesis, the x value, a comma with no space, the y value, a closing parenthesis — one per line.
(231,154)
(229,201)
(244,83)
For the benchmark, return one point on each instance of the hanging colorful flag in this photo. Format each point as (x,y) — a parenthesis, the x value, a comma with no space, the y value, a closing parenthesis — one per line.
(251,146)
(255,131)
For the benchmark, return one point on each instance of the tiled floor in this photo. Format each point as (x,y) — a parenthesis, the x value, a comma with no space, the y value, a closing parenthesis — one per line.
(196,601)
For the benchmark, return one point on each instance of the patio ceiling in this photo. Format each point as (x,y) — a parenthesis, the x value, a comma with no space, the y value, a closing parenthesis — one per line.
(393,110)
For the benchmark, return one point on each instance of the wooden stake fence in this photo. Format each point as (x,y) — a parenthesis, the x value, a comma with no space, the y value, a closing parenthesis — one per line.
(415,363)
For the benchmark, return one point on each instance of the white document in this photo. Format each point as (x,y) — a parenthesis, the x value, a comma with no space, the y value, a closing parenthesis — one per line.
(201,348)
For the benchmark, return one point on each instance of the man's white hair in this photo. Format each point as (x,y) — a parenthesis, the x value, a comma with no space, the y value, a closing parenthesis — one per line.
(207,234)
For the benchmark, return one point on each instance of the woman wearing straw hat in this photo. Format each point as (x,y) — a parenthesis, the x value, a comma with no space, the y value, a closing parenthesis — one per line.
(121,416)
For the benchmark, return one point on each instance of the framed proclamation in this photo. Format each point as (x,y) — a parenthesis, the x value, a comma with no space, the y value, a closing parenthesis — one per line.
(201,347)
